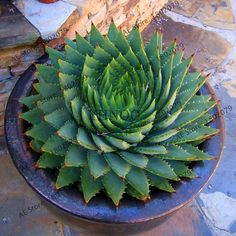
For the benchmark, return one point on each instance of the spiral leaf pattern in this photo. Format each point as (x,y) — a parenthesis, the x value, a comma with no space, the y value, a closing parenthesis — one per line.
(115,115)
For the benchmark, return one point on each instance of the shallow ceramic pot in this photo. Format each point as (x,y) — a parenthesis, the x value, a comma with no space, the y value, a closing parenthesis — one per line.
(100,215)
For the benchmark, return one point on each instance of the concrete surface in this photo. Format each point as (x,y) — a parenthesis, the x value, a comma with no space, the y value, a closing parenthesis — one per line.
(217,202)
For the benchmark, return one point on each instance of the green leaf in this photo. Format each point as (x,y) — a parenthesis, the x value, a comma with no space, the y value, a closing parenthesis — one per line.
(76,156)
(143,59)
(33,116)
(58,118)
(160,136)
(170,119)
(135,159)
(150,150)
(161,168)
(66,176)
(83,46)
(41,131)
(109,125)
(89,72)
(136,43)
(135,39)
(132,59)
(187,117)
(190,78)
(118,39)
(69,68)
(86,118)
(71,43)
(76,106)
(144,129)
(56,145)
(194,134)
(177,153)
(183,96)
(70,95)
(51,104)
(47,90)
(134,193)
(102,56)
(47,74)
(114,186)
(166,83)
(138,180)
(178,57)
(179,73)
(165,56)
(200,155)
(36,145)
(145,121)
(110,48)
(118,143)
(47,160)
(182,170)
(54,56)
(117,164)
(91,62)
(30,101)
(148,111)
(156,67)
(98,125)
(95,37)
(96,163)
(154,44)
(113,32)
(69,81)
(130,137)
(74,57)
(160,183)
(145,101)
(188,90)
(85,140)
(90,186)
(126,65)
(68,131)
(194,105)
(102,143)
(90,97)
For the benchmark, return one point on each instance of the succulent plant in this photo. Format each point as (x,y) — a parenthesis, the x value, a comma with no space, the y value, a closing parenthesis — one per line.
(110,114)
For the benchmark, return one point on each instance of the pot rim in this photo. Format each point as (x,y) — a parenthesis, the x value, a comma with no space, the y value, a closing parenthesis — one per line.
(70,201)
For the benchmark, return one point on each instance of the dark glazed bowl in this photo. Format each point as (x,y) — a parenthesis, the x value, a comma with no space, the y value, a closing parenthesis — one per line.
(132,216)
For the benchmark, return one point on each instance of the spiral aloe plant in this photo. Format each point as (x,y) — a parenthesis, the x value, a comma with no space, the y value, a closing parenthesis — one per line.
(112,115)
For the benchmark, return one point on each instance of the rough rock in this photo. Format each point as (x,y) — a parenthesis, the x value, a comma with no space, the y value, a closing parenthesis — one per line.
(210,49)
(215,13)
(15,30)
(47,18)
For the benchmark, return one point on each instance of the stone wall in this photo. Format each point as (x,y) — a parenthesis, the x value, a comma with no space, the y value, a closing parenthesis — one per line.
(125,13)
